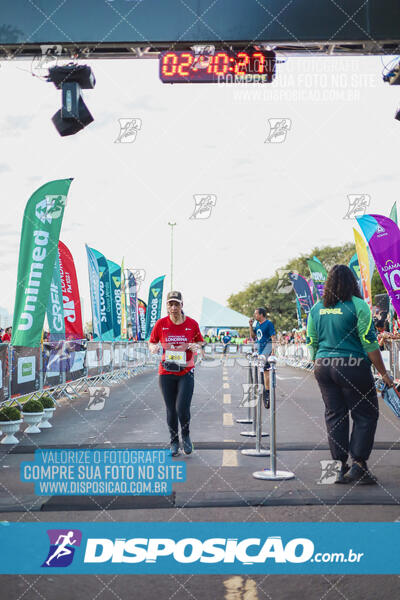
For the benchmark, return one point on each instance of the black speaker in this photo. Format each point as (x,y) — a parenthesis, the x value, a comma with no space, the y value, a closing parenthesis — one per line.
(71,126)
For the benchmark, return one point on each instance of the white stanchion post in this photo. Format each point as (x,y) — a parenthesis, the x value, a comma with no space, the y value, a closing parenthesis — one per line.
(258,451)
(249,419)
(253,431)
(272,473)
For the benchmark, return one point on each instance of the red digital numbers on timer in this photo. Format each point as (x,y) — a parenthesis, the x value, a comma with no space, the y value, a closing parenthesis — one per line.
(185,65)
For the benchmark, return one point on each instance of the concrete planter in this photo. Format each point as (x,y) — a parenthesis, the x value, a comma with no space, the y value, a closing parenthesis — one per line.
(48,413)
(9,428)
(32,419)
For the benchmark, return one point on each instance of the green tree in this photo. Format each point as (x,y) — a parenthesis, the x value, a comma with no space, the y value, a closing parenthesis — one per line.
(276,294)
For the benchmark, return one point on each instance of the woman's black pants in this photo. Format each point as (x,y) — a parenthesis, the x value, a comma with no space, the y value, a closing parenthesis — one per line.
(177,391)
(348,387)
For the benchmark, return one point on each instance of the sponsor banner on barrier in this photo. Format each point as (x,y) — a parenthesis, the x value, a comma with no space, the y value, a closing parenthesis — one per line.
(199,548)
(76,365)
(94,358)
(107,357)
(3,372)
(52,374)
(232,349)
(25,370)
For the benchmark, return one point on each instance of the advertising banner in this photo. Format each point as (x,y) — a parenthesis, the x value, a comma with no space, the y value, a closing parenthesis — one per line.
(302,291)
(106,317)
(133,303)
(318,275)
(3,372)
(76,367)
(94,358)
(70,293)
(94,285)
(55,313)
(37,254)
(25,370)
(383,237)
(107,361)
(124,318)
(363,261)
(154,304)
(355,269)
(115,282)
(142,309)
(51,363)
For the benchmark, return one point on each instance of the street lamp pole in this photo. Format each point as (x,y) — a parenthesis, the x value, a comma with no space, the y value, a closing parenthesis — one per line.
(172,225)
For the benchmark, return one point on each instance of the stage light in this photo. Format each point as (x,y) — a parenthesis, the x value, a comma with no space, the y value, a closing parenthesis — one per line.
(74,114)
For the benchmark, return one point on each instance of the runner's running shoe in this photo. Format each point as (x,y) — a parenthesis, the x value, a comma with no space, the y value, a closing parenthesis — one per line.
(187,444)
(175,448)
(340,478)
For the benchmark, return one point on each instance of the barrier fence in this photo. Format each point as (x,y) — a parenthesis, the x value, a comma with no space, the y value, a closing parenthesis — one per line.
(298,355)
(68,366)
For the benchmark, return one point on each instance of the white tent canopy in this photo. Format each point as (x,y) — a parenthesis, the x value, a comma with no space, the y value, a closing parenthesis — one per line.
(216,315)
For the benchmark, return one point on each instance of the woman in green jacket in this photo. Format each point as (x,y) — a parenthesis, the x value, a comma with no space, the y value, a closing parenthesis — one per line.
(343,343)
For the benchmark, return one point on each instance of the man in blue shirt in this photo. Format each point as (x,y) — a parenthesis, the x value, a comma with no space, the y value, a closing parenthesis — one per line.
(226,339)
(264,333)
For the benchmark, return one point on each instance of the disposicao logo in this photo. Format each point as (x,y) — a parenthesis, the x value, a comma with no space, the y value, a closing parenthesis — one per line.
(62,547)
(191,550)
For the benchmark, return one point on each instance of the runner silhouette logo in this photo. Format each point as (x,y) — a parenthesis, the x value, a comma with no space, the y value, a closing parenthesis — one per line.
(62,547)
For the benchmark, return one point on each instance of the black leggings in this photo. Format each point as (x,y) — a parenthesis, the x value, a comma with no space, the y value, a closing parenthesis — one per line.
(177,391)
(347,388)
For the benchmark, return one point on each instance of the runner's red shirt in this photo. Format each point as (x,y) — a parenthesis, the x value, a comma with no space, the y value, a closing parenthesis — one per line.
(176,337)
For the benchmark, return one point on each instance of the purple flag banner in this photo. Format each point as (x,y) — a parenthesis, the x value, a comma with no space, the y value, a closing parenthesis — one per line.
(383,237)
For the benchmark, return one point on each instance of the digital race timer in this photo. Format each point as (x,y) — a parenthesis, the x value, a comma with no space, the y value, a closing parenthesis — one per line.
(247,66)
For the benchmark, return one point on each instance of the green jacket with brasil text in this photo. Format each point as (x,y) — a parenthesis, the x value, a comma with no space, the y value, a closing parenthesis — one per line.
(346,329)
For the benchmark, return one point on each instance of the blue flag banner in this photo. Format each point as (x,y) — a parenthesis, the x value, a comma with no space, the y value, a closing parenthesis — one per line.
(115,282)
(94,284)
(199,548)
(106,317)
(154,304)
(302,291)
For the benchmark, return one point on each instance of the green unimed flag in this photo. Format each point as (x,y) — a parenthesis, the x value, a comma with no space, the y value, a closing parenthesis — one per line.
(38,249)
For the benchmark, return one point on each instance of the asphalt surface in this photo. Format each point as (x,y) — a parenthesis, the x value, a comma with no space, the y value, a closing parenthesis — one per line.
(219,485)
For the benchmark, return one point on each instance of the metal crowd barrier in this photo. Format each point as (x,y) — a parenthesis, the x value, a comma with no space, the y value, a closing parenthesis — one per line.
(68,367)
(298,355)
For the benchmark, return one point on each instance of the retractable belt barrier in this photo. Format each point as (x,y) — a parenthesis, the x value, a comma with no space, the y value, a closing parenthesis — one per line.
(254,398)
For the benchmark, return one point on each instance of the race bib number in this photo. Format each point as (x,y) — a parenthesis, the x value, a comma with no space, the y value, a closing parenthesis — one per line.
(176,356)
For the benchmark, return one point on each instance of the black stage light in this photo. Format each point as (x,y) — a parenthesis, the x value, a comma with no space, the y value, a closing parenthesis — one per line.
(74,114)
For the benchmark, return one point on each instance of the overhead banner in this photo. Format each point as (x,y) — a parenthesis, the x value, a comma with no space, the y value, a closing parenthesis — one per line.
(142,308)
(154,304)
(133,303)
(363,261)
(383,237)
(302,291)
(355,269)
(318,275)
(94,285)
(37,254)
(115,281)
(106,319)
(55,313)
(70,293)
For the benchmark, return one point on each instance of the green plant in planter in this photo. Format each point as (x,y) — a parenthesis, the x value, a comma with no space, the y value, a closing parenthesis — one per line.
(9,413)
(32,406)
(46,401)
